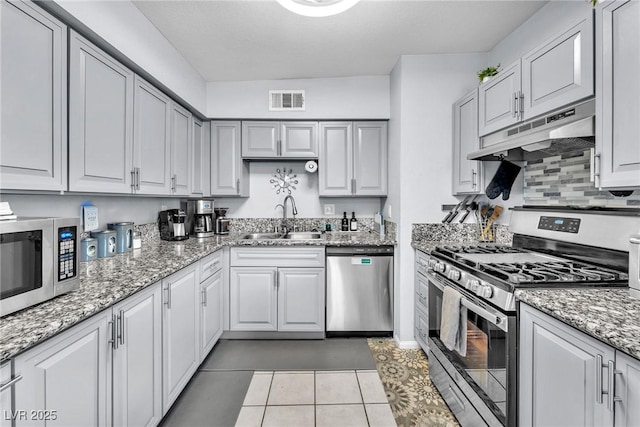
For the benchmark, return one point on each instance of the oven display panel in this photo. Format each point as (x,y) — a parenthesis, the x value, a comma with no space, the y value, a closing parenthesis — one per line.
(553,223)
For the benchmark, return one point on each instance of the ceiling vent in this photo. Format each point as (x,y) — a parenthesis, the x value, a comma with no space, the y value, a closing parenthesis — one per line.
(286,100)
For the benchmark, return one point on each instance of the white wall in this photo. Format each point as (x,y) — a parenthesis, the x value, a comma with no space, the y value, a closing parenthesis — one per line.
(365,97)
(140,210)
(552,20)
(123,26)
(263,198)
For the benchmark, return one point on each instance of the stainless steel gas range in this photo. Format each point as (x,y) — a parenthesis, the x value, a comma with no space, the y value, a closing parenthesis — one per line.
(562,247)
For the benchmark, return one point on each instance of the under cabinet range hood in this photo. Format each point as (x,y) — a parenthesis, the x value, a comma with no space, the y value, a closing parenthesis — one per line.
(568,129)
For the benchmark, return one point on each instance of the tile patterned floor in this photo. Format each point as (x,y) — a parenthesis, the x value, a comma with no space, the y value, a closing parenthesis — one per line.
(414,400)
(316,398)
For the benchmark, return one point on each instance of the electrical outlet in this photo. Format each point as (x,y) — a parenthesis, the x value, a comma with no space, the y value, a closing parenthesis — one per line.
(329,209)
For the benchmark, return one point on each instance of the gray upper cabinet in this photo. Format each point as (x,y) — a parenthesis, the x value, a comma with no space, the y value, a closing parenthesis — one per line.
(353,159)
(467,174)
(181,150)
(201,159)
(151,142)
(559,72)
(498,100)
(618,95)
(263,140)
(100,120)
(229,173)
(553,75)
(33,135)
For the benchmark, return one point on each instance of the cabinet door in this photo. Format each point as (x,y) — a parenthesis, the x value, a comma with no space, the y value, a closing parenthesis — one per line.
(561,374)
(200,159)
(260,139)
(253,299)
(335,172)
(210,313)
(299,139)
(467,174)
(560,72)
(229,173)
(422,291)
(301,299)
(6,398)
(627,413)
(151,141)
(498,104)
(33,101)
(100,120)
(421,328)
(70,375)
(181,150)
(370,158)
(618,94)
(180,333)
(137,360)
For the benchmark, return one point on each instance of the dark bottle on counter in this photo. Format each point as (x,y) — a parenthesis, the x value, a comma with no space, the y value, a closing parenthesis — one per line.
(353,225)
(345,223)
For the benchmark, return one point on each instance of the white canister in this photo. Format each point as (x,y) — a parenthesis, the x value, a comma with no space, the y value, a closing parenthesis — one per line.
(634,265)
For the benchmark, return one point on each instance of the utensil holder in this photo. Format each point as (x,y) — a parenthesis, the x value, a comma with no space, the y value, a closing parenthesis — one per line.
(487,230)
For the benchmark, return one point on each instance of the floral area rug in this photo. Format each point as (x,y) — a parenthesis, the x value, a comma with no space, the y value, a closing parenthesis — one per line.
(414,400)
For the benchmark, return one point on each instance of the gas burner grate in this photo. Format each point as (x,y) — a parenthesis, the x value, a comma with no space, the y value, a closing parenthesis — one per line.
(552,272)
(452,251)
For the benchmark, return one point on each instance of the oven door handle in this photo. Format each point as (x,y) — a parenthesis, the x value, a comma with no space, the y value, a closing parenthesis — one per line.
(495,318)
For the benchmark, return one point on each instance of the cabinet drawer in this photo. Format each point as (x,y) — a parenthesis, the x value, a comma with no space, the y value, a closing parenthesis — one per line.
(278,257)
(421,327)
(422,262)
(210,264)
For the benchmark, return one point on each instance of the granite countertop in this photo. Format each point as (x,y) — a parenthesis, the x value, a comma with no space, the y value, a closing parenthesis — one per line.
(610,315)
(106,281)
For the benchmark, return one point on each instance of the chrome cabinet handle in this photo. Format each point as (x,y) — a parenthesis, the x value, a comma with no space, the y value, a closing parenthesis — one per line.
(599,366)
(611,393)
(167,300)
(238,185)
(353,186)
(596,170)
(112,324)
(521,96)
(137,178)
(121,319)
(279,147)
(174,181)
(514,110)
(10,383)
(204,297)
(133,179)
(473,178)
(455,396)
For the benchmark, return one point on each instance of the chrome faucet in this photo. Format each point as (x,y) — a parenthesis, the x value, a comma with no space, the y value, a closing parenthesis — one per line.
(294,211)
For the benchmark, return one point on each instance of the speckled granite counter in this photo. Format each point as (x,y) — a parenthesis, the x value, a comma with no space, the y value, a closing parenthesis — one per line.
(106,281)
(610,315)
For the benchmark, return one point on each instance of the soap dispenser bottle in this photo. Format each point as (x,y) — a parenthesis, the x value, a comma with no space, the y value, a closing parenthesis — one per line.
(345,223)
(353,225)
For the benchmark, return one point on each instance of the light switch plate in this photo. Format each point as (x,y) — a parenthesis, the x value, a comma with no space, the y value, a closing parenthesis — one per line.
(90,216)
(329,209)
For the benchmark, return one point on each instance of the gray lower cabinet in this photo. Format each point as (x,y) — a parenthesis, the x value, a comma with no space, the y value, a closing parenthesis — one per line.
(181,150)
(211,311)
(229,173)
(565,377)
(617,95)
(201,159)
(262,140)
(151,139)
(353,159)
(421,283)
(68,377)
(33,127)
(277,289)
(6,392)
(100,120)
(467,174)
(180,332)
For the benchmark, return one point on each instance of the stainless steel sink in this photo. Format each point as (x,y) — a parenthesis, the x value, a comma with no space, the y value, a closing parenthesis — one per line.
(303,235)
(260,236)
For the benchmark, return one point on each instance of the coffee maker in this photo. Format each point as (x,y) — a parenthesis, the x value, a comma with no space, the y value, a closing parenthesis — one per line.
(222,223)
(172,225)
(200,217)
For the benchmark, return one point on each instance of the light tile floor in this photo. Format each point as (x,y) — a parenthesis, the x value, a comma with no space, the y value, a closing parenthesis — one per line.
(316,398)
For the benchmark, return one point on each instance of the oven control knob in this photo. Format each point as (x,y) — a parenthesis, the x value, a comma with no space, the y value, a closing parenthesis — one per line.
(485,291)
(454,275)
(432,264)
(473,285)
(440,268)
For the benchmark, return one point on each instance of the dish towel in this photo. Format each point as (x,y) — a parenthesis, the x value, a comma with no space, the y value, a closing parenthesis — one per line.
(453,323)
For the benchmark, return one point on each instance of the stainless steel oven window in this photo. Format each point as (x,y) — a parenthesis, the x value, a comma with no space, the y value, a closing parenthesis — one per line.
(20,263)
(487,366)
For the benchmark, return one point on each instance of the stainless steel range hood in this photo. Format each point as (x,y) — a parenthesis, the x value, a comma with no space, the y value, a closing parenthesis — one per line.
(568,129)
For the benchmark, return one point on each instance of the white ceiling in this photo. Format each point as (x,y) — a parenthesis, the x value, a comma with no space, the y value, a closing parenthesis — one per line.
(235,40)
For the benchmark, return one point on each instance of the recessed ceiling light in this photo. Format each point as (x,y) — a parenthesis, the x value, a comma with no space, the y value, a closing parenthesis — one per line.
(317,8)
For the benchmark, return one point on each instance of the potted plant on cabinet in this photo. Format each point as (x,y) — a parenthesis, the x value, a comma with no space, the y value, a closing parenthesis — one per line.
(486,73)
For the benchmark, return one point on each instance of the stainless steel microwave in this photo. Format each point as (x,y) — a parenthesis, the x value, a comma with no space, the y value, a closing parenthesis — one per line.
(38,261)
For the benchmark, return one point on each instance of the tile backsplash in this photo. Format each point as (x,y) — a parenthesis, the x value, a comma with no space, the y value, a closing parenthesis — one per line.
(564,180)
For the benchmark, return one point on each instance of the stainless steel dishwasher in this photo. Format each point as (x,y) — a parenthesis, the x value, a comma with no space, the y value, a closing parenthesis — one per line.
(360,291)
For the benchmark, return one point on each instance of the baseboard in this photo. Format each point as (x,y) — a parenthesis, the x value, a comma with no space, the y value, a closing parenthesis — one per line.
(406,345)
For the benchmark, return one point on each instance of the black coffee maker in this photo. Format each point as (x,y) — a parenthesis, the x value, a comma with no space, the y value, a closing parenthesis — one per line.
(172,225)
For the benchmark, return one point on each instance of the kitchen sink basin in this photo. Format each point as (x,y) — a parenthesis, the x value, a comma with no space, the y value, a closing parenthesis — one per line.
(303,235)
(260,236)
